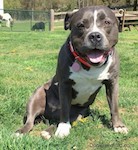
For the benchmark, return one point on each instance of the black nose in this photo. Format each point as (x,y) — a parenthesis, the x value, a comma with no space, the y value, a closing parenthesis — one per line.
(95,37)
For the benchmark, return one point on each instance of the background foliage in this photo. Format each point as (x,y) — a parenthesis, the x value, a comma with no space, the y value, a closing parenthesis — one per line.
(62,5)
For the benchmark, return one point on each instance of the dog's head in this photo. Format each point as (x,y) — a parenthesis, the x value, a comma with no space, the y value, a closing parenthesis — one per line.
(94,32)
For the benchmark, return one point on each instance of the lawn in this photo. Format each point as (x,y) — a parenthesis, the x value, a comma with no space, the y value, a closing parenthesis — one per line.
(28,59)
(22,26)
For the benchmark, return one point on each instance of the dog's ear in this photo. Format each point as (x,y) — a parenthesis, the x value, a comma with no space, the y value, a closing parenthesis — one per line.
(67,20)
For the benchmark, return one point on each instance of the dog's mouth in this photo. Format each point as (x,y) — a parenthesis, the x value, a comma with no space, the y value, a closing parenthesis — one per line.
(89,57)
(97,56)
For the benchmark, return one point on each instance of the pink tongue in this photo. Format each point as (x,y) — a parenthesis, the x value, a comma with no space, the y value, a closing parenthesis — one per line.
(96,56)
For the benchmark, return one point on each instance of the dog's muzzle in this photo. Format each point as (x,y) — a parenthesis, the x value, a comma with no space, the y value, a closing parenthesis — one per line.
(92,57)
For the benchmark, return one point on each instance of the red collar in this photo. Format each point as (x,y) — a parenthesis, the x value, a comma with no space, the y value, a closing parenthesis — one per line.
(77,57)
(82,60)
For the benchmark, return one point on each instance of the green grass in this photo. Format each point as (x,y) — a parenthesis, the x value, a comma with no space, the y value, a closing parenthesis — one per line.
(28,59)
(21,26)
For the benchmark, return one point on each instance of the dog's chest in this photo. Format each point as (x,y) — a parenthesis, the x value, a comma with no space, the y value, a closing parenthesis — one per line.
(88,82)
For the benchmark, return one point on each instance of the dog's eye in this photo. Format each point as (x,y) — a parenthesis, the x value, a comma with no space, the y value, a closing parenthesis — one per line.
(80,26)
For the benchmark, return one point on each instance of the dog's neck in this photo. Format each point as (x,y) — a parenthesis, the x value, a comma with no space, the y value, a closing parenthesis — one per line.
(78,57)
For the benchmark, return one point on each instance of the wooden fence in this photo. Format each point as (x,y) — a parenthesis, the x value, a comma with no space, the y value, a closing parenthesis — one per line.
(55,16)
(126,18)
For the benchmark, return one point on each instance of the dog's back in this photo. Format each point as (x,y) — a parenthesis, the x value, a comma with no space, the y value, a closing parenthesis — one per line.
(38,26)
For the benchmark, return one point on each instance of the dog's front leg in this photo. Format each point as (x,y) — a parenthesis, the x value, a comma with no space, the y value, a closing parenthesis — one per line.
(112,97)
(65,95)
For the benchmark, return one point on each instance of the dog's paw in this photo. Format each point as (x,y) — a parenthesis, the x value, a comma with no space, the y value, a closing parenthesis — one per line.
(63,130)
(46,135)
(18,135)
(121,129)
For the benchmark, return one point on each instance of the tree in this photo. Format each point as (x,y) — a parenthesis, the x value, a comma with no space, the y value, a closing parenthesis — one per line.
(135,5)
(64,5)
(12,4)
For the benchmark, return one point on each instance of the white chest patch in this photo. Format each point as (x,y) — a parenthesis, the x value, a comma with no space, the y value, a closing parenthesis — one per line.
(87,82)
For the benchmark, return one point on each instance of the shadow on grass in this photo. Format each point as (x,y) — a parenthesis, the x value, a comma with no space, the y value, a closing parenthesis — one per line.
(103,118)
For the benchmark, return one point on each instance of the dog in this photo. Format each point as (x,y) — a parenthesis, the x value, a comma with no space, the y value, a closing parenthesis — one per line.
(7,17)
(86,61)
(38,26)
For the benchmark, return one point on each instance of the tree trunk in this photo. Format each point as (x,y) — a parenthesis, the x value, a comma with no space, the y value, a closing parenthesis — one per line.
(128,2)
(135,5)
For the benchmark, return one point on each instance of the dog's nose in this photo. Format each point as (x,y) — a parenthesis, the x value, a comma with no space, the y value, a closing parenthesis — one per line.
(95,37)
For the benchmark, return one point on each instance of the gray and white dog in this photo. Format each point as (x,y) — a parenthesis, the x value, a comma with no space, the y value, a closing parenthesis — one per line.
(86,61)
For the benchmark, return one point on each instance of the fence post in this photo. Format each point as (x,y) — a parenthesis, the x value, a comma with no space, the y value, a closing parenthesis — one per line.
(51,26)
